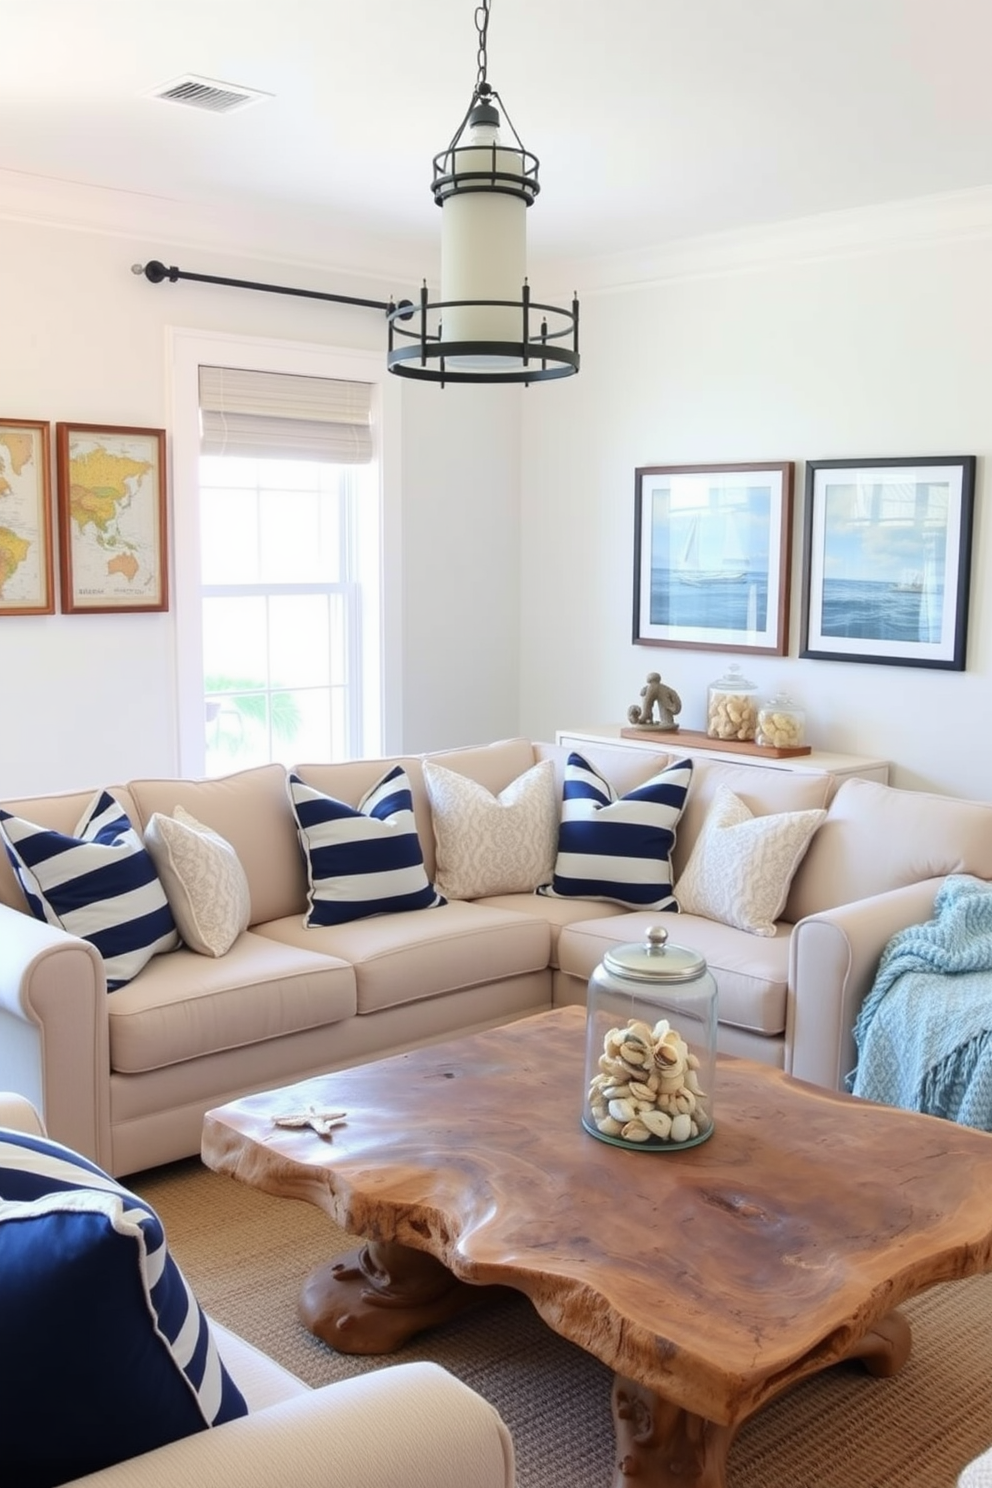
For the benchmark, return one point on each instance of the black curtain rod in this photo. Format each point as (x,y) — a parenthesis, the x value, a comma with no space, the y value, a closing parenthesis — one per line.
(155,272)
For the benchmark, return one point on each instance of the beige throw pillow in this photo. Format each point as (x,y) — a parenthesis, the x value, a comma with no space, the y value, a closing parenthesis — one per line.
(488,844)
(741,866)
(204,881)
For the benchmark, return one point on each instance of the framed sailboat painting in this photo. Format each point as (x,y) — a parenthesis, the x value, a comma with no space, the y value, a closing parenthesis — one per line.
(712,548)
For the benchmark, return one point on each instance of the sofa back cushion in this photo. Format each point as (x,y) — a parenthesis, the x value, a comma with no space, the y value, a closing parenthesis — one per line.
(764,791)
(249,809)
(624,768)
(61,813)
(876,837)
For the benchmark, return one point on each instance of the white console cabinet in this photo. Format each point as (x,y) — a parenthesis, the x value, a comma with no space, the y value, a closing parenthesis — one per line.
(818,762)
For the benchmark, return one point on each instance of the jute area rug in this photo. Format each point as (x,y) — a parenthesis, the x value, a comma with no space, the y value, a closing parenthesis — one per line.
(246,1255)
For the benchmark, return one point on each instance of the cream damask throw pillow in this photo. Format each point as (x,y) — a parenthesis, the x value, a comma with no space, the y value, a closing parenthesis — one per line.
(741,867)
(204,881)
(488,844)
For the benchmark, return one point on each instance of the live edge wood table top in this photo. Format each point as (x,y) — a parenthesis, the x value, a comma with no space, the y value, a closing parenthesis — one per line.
(710,1279)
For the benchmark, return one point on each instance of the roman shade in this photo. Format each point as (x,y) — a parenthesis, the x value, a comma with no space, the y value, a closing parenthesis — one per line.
(277,415)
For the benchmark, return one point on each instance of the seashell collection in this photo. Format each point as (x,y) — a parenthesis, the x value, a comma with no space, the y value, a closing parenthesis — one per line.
(647,1088)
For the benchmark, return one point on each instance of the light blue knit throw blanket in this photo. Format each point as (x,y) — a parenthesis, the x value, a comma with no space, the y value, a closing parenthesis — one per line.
(924,1033)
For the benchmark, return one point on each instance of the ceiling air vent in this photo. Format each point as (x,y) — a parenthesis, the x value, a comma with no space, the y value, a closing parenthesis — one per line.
(207,93)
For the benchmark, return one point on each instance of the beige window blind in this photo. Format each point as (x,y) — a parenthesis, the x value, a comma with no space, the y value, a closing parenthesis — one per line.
(275,415)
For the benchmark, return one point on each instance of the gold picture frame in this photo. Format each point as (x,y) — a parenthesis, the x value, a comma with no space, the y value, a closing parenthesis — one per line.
(113,531)
(27,569)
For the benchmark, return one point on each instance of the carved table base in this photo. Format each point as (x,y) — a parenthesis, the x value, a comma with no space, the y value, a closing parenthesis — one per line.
(659,1445)
(374,1299)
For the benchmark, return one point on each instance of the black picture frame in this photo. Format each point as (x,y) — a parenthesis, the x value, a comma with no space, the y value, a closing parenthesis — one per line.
(887,560)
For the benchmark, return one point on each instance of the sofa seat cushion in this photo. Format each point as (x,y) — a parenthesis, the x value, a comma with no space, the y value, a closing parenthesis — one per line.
(557,912)
(107,1354)
(405,957)
(185,1006)
(751,972)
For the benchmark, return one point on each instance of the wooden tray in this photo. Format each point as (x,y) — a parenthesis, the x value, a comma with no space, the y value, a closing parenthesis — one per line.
(696,739)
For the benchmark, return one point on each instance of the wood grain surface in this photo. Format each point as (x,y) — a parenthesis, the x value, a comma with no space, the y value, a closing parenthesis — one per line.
(714,1276)
(698,739)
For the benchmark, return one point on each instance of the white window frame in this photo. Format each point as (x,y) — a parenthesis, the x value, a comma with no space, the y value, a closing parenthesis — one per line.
(187,350)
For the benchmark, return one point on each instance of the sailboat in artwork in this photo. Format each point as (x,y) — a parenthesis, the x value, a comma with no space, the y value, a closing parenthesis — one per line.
(732,568)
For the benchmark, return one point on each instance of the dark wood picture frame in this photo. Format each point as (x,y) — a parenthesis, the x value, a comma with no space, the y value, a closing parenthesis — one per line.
(887,560)
(27,565)
(712,556)
(113,526)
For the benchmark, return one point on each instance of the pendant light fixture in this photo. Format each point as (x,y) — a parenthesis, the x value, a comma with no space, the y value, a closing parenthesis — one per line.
(485,328)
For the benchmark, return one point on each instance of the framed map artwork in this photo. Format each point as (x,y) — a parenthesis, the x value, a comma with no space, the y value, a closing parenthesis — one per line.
(27,580)
(112,518)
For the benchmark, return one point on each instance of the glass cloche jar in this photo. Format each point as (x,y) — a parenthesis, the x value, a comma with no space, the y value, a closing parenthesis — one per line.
(650,1046)
(781,723)
(731,709)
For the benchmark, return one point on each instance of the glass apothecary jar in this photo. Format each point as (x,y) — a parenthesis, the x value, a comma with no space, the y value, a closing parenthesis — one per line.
(732,707)
(650,1047)
(781,723)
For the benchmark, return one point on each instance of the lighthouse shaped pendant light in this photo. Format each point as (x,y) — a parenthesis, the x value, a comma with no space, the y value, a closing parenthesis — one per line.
(485,327)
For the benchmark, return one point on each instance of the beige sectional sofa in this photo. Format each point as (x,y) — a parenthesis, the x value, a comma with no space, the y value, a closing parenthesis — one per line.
(126,1077)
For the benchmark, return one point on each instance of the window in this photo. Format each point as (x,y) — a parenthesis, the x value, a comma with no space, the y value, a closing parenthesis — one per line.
(282,461)
(278,491)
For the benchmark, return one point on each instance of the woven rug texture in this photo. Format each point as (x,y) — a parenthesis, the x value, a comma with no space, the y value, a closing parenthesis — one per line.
(246,1255)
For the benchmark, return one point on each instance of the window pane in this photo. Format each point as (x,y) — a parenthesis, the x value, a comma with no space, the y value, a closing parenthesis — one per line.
(237,732)
(235,643)
(290,524)
(299,643)
(311,737)
(228,535)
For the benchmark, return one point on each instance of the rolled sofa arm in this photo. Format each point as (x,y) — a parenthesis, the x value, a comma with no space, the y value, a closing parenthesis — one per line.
(833,958)
(54,1033)
(405,1426)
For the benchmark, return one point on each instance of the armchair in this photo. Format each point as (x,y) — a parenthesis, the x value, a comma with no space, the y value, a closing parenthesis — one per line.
(404,1426)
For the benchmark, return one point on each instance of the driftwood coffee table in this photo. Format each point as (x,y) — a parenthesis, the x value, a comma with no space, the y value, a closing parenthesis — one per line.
(710,1279)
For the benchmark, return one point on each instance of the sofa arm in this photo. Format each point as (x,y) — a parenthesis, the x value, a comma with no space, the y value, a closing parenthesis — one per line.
(833,958)
(18,1114)
(54,1034)
(406,1426)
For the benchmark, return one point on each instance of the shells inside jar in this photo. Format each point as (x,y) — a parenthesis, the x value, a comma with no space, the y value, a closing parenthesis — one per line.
(647,1088)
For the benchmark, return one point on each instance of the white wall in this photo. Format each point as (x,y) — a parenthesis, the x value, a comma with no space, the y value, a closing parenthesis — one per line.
(87,700)
(886,352)
(515,591)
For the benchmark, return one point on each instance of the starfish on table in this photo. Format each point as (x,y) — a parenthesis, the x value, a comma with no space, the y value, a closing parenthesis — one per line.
(321,1121)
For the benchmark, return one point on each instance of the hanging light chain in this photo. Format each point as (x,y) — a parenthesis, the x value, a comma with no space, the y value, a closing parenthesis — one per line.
(482,26)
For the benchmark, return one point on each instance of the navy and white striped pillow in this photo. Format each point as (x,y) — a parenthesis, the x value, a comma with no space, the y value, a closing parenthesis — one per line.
(106,1352)
(361,862)
(99,884)
(618,848)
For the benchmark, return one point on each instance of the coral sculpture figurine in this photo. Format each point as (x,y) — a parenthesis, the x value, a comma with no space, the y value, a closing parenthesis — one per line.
(656,694)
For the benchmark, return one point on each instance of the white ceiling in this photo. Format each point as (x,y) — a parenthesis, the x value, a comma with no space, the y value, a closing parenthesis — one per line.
(654,120)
